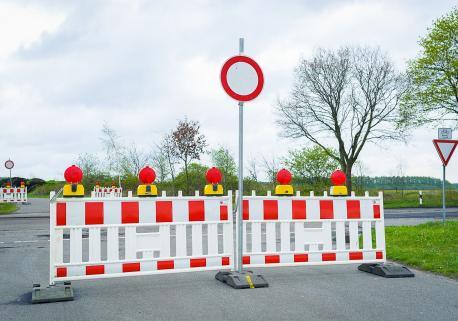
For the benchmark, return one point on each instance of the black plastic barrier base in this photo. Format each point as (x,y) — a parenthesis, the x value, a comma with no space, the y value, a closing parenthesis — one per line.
(52,293)
(387,270)
(243,280)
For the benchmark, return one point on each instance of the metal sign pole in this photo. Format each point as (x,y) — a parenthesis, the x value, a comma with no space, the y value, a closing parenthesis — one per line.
(240,200)
(238,278)
(443,194)
(11,182)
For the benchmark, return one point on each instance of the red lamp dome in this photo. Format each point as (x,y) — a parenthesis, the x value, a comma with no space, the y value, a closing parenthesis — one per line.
(284,176)
(213,176)
(338,178)
(147,175)
(73,174)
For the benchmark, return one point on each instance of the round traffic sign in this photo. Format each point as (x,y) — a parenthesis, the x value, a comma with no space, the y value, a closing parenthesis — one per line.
(9,164)
(242,78)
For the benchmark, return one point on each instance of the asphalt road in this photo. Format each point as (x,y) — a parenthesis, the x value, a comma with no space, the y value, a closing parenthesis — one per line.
(296,293)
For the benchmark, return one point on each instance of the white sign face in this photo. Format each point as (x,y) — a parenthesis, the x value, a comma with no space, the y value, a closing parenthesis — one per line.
(242,78)
(445,149)
(444,133)
(9,164)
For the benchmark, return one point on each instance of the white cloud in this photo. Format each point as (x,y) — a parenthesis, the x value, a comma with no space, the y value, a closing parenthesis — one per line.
(23,27)
(140,66)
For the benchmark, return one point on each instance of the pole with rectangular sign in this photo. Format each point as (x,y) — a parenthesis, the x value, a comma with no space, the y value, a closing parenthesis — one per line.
(445,147)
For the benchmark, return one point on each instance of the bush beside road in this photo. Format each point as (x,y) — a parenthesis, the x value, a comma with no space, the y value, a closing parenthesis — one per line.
(432,246)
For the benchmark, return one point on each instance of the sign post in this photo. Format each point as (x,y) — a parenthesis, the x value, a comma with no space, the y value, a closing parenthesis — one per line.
(9,164)
(242,79)
(445,148)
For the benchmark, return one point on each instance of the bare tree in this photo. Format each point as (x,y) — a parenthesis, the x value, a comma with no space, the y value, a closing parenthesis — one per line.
(350,95)
(160,163)
(271,168)
(167,149)
(114,151)
(253,169)
(89,164)
(133,160)
(188,144)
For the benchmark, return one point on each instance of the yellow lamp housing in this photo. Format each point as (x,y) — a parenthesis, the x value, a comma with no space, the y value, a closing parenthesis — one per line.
(213,190)
(284,190)
(146,190)
(73,190)
(338,191)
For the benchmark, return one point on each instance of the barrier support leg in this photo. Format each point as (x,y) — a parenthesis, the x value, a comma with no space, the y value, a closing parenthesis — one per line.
(387,270)
(52,293)
(242,280)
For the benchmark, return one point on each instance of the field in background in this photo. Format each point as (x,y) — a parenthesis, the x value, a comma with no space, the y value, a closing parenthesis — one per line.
(409,198)
(392,198)
(431,246)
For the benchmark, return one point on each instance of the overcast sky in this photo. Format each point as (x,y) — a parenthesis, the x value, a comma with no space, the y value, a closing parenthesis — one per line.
(66,67)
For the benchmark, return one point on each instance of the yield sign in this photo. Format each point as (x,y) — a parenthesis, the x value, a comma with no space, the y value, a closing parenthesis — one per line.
(445,149)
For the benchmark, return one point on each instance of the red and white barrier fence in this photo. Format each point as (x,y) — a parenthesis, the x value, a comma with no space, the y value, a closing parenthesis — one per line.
(13,194)
(113,237)
(312,230)
(99,192)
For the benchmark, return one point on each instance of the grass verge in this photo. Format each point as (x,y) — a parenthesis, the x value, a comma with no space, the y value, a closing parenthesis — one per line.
(432,246)
(7,208)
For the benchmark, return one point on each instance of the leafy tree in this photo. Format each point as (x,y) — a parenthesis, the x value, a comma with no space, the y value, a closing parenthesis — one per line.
(432,94)
(312,165)
(188,144)
(193,179)
(223,159)
(350,95)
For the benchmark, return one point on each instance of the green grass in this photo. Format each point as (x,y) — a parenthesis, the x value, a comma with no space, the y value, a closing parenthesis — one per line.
(409,198)
(7,208)
(37,196)
(432,246)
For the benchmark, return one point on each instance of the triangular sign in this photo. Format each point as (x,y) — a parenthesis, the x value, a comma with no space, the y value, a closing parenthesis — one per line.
(445,149)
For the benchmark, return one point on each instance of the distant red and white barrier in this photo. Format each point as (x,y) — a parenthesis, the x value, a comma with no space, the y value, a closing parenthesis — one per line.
(13,194)
(106,192)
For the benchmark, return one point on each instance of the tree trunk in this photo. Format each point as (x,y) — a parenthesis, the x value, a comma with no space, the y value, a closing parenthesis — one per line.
(187,178)
(348,169)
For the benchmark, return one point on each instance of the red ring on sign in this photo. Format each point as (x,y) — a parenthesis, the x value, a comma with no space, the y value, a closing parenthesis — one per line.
(228,89)
(11,166)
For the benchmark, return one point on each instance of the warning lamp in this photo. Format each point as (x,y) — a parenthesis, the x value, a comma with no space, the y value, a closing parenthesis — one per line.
(97,184)
(22,185)
(147,175)
(285,188)
(8,184)
(213,187)
(73,175)
(113,184)
(338,188)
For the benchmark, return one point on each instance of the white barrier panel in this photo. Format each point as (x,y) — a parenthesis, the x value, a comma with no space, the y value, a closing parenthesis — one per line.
(284,231)
(109,237)
(13,194)
(107,192)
